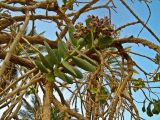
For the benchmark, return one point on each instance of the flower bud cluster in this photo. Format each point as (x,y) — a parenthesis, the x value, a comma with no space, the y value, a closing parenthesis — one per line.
(98,26)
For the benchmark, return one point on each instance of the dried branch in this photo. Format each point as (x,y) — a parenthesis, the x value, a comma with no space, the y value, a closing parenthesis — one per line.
(13,45)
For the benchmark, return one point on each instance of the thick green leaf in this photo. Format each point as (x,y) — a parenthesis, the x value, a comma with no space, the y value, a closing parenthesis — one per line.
(40,66)
(78,73)
(50,77)
(83,64)
(59,74)
(52,58)
(71,30)
(68,67)
(81,42)
(44,61)
(69,80)
(47,57)
(88,58)
(105,40)
(63,76)
(62,50)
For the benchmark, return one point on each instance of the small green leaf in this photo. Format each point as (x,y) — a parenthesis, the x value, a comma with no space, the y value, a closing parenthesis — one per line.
(62,50)
(83,64)
(71,30)
(40,66)
(50,77)
(68,67)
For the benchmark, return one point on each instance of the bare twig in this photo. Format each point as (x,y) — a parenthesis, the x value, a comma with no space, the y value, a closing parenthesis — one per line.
(125,4)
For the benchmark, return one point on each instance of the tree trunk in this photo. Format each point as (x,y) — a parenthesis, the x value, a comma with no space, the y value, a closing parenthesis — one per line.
(46,115)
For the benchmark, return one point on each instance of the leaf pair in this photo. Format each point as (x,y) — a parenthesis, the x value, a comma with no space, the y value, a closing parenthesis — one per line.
(83,64)
(62,50)
(72,70)
(63,76)
(52,57)
(85,57)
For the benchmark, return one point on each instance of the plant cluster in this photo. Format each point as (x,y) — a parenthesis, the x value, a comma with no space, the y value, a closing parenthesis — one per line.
(85,72)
